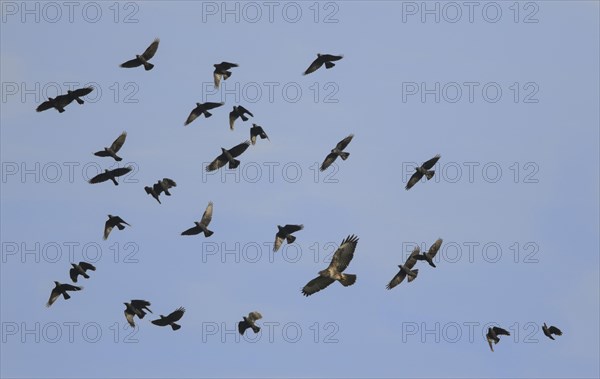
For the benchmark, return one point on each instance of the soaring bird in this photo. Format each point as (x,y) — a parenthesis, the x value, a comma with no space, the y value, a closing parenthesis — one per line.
(136,308)
(406,270)
(326,59)
(144,58)
(228,156)
(80,269)
(337,151)
(423,170)
(61,101)
(549,331)
(159,187)
(61,289)
(341,258)
(249,322)
(222,71)
(113,149)
(238,111)
(110,175)
(257,130)
(285,233)
(111,223)
(170,319)
(431,253)
(492,335)
(202,226)
(201,109)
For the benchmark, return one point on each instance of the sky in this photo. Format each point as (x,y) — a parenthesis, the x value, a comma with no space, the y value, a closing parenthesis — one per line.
(506,92)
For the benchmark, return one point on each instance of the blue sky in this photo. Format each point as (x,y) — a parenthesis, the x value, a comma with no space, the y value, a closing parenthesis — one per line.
(520,229)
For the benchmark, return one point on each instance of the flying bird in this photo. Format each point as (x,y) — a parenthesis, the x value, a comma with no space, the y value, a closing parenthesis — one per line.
(160,187)
(238,111)
(144,58)
(422,170)
(431,253)
(341,258)
(113,149)
(492,335)
(285,233)
(227,156)
(257,131)
(406,270)
(326,59)
(170,319)
(222,71)
(110,175)
(337,152)
(201,109)
(61,101)
(136,308)
(61,289)
(249,322)
(80,269)
(111,223)
(202,226)
(549,331)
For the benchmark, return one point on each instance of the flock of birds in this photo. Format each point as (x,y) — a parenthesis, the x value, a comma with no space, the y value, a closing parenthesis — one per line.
(342,256)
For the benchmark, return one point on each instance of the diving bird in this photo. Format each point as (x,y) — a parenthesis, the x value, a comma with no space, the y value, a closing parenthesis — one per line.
(228,156)
(431,253)
(341,258)
(238,111)
(160,187)
(201,109)
(144,58)
(111,223)
(492,335)
(176,315)
(549,331)
(136,308)
(257,131)
(423,170)
(326,59)
(222,71)
(337,152)
(61,289)
(61,101)
(202,226)
(249,322)
(285,233)
(80,269)
(110,175)
(406,270)
(113,149)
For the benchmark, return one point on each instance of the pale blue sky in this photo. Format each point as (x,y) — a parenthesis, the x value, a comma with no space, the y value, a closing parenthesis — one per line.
(553,214)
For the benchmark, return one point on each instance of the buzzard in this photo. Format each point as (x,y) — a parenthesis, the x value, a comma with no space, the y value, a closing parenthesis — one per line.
(422,170)
(492,335)
(176,315)
(326,59)
(285,233)
(80,269)
(61,101)
(431,253)
(144,58)
(201,109)
(110,175)
(202,226)
(136,308)
(406,270)
(61,289)
(113,149)
(159,187)
(257,131)
(337,151)
(227,156)
(111,223)
(249,322)
(341,258)
(549,331)
(237,112)
(222,71)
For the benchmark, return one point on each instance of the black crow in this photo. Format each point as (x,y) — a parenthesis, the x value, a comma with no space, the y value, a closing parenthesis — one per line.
(285,233)
(80,269)
(249,322)
(144,58)
(549,331)
(227,156)
(257,130)
(110,175)
(136,308)
(222,71)
(61,289)
(423,170)
(326,59)
(61,101)
(170,319)
(492,335)
(406,270)
(113,149)
(202,226)
(337,152)
(431,253)
(201,109)
(111,223)
(159,187)
(238,111)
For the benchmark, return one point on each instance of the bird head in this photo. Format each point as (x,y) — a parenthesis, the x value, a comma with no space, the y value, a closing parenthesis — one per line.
(137,56)
(223,150)
(56,283)
(73,264)
(110,216)
(198,104)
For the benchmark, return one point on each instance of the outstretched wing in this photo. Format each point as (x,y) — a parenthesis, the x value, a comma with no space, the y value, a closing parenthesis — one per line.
(278,242)
(501,332)
(219,162)
(397,279)
(253,316)
(232,117)
(44,106)
(292,228)
(314,66)
(316,285)
(116,145)
(73,274)
(239,149)
(242,110)
(164,321)
(329,159)
(119,220)
(207,216)
(434,248)
(331,58)
(131,63)
(151,50)
(193,115)
(53,296)
(217,78)
(414,179)
(343,255)
(121,171)
(176,315)
(81,92)
(102,177)
(140,304)
(209,105)
(412,258)
(87,266)
(129,317)
(108,227)
(191,231)
(343,143)
(430,163)
(555,330)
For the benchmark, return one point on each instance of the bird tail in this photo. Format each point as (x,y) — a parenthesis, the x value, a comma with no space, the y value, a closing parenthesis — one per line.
(208,233)
(148,190)
(226,75)
(117,158)
(290,238)
(121,227)
(175,326)
(344,155)
(413,277)
(79,101)
(348,280)
(432,264)
(329,64)
(207,114)
(148,66)
(244,118)
(167,193)
(85,275)
(114,181)
(234,164)
(255,328)
(66,295)
(61,110)
(429,174)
